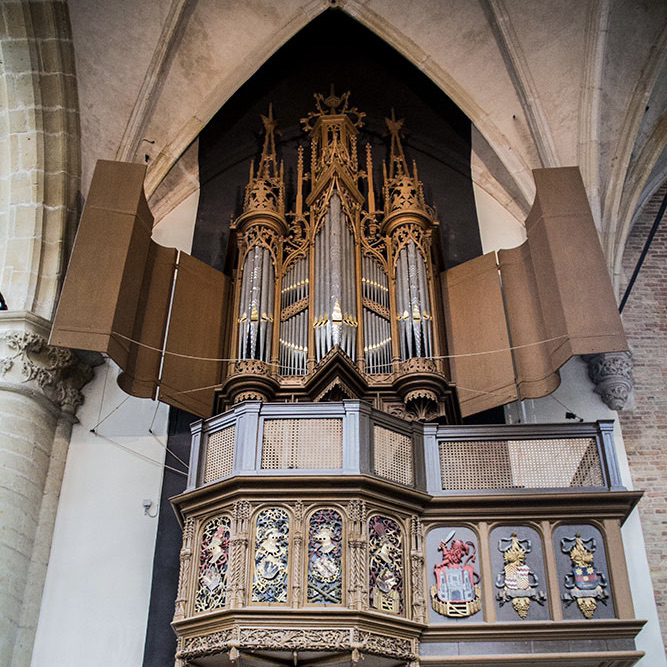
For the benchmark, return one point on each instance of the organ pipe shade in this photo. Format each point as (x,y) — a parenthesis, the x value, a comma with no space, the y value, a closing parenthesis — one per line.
(335,287)
(413,304)
(256,305)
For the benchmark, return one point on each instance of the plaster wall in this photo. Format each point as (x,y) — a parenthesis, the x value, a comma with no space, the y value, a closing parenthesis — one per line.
(99,572)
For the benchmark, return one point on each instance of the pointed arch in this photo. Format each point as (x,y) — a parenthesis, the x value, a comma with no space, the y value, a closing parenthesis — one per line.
(178,142)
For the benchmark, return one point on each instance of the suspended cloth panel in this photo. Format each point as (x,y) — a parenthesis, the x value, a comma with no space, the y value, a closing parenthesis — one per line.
(556,293)
(481,362)
(192,363)
(118,282)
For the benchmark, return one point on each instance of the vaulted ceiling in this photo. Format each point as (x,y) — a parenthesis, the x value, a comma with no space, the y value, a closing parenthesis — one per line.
(546,83)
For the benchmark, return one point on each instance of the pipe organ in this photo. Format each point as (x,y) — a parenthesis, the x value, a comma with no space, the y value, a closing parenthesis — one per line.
(337,298)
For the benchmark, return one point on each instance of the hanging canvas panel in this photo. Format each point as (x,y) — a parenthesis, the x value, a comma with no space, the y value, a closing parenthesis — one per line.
(385,545)
(270,579)
(325,567)
(213,560)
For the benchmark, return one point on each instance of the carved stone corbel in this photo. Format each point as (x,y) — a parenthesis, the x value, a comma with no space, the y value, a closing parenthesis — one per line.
(611,372)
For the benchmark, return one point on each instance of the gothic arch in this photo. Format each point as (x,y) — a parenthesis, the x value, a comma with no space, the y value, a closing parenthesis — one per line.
(42,179)
(176,144)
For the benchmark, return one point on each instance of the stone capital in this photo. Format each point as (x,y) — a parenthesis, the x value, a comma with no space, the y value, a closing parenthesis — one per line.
(28,364)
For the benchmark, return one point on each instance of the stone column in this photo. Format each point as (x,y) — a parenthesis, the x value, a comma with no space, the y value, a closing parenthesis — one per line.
(39,394)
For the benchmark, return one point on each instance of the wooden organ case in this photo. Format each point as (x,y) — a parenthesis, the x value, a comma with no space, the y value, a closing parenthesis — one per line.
(338,299)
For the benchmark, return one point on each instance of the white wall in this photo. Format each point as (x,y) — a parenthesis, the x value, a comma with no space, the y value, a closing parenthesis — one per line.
(99,573)
(101,562)
(497,227)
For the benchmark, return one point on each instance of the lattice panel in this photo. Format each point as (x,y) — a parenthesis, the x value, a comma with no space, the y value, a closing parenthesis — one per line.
(392,456)
(302,443)
(506,464)
(219,454)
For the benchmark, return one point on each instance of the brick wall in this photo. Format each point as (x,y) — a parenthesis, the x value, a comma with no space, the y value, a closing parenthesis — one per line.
(644,421)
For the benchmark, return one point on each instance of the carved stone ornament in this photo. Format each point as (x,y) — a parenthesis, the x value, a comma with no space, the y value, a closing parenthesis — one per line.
(611,372)
(517,580)
(28,362)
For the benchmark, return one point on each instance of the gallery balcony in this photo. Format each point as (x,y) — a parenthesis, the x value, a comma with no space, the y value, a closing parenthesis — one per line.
(332,532)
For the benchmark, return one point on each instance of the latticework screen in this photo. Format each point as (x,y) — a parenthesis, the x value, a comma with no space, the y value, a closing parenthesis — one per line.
(219,454)
(548,463)
(302,443)
(392,456)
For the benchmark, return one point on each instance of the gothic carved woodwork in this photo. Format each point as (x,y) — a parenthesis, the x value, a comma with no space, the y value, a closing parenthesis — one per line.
(270,578)
(184,571)
(325,557)
(337,274)
(385,546)
(213,564)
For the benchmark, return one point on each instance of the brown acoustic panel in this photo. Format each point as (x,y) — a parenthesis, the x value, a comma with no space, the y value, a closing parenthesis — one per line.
(532,358)
(476,329)
(102,287)
(575,293)
(142,370)
(192,365)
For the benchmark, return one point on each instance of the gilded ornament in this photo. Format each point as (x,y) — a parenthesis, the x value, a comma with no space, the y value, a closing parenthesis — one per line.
(584,583)
(517,581)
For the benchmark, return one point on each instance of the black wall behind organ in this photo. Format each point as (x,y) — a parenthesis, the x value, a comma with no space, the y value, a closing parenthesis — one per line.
(334,48)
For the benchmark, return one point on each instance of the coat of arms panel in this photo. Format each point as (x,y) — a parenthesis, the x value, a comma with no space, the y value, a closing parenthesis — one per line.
(453,572)
(520,581)
(585,589)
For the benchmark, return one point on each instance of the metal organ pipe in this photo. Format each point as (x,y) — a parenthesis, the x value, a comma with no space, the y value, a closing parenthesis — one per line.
(256,305)
(335,295)
(377,329)
(293,330)
(413,304)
